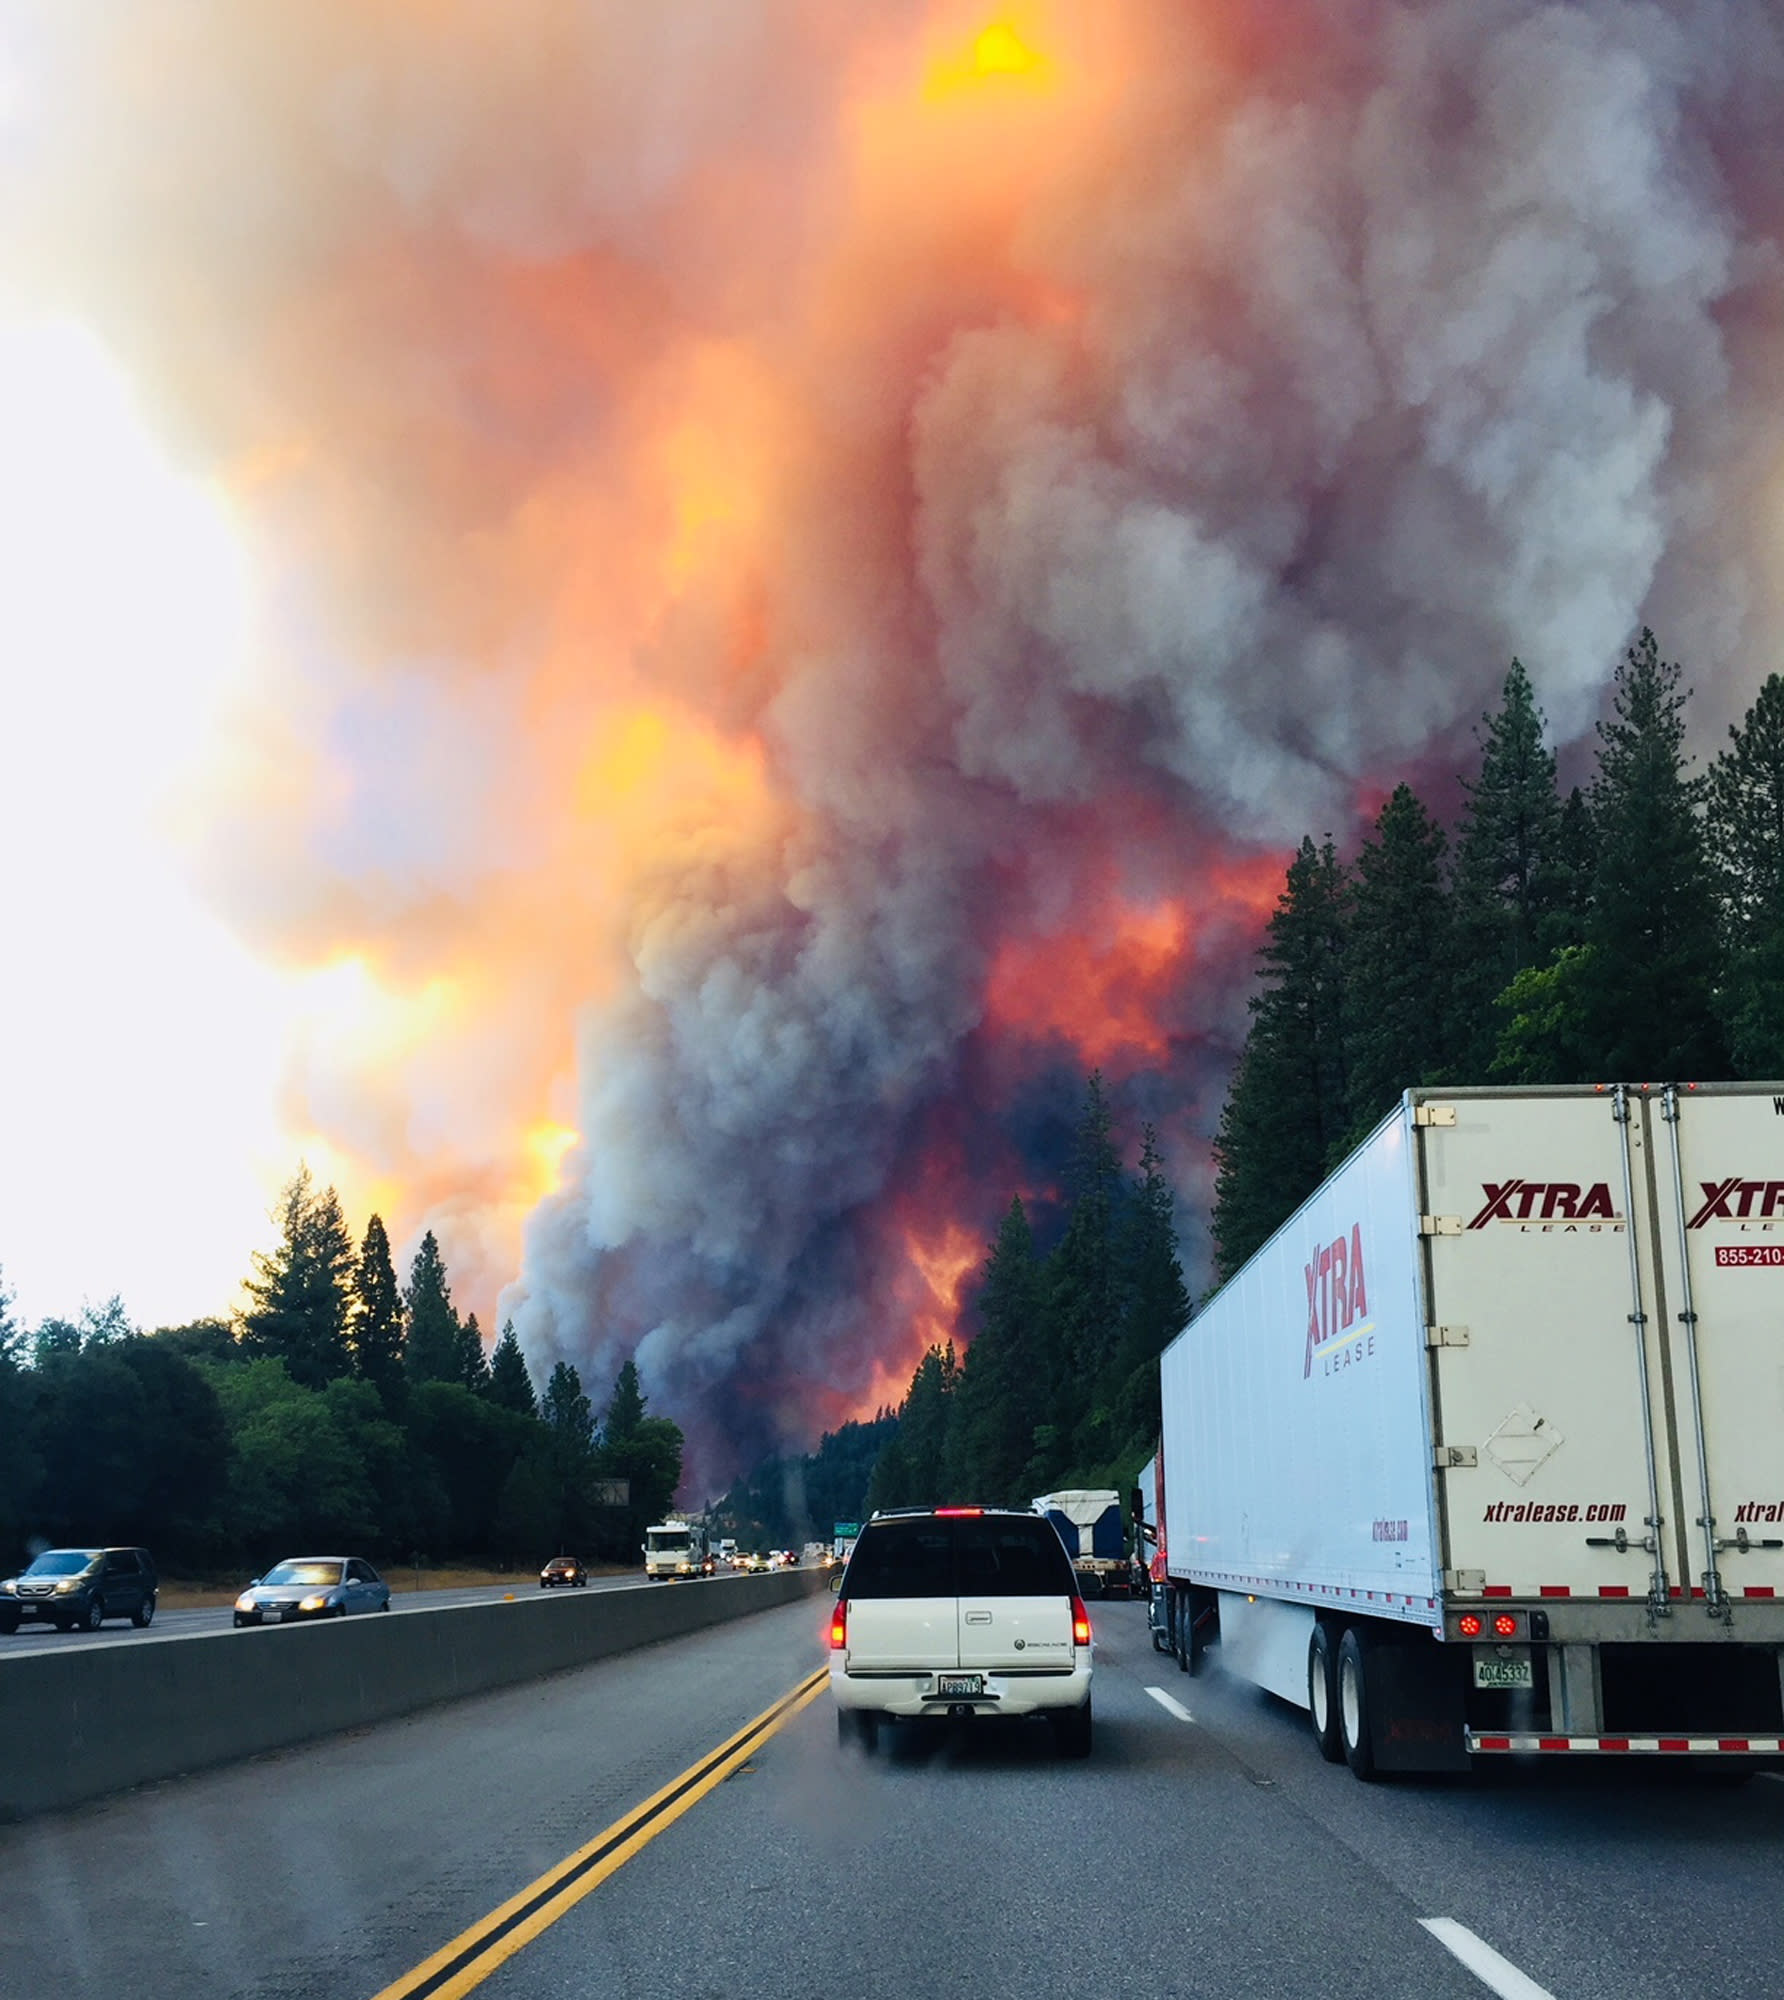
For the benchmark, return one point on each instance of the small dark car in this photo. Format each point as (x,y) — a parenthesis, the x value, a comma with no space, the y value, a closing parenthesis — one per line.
(563,1570)
(71,1588)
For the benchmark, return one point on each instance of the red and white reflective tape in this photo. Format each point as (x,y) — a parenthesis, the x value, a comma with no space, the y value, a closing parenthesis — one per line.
(1526,1590)
(1621,1746)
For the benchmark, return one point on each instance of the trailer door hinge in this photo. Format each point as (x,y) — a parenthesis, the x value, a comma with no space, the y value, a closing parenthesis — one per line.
(1446,1336)
(1440,1225)
(1434,1114)
(1447,1455)
(1466,1582)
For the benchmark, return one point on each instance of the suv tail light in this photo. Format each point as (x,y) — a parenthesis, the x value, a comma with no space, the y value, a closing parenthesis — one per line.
(839,1625)
(1080,1622)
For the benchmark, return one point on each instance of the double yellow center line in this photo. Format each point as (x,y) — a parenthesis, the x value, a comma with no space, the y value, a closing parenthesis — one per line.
(475,1953)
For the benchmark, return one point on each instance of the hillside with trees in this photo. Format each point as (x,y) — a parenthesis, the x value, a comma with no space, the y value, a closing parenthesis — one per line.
(340,1411)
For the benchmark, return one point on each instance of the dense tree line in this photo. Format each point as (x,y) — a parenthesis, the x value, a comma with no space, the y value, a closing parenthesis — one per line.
(1633,929)
(340,1411)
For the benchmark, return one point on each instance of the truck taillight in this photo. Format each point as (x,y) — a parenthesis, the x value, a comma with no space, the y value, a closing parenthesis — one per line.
(1080,1623)
(839,1625)
(1470,1625)
(1505,1626)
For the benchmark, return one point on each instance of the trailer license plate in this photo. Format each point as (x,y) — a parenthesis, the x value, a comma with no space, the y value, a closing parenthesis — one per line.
(1493,1672)
(954,1684)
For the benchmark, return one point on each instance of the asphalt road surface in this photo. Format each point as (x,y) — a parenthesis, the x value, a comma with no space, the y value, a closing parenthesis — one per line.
(38,1638)
(1214,1857)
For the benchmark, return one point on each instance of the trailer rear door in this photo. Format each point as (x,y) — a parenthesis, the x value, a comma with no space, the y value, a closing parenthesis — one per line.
(1547,1389)
(1719,1172)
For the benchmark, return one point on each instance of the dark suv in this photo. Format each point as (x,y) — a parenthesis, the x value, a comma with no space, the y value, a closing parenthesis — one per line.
(81,1587)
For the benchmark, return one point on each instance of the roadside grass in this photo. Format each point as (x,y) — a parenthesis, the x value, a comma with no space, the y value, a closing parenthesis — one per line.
(202,1593)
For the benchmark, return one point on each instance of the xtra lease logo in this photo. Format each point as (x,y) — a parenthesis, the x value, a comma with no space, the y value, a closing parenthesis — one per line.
(1556,1203)
(1738,1201)
(1337,1304)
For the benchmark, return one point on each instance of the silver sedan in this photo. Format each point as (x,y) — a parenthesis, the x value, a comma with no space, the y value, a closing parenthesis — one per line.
(306,1587)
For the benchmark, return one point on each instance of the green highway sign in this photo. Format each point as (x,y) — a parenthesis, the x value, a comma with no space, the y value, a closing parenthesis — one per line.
(844,1529)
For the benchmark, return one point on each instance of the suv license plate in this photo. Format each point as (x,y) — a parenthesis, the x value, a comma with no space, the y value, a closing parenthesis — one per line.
(957,1684)
(1497,1673)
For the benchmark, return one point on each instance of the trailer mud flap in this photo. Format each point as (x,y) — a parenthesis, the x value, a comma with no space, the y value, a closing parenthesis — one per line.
(1417,1708)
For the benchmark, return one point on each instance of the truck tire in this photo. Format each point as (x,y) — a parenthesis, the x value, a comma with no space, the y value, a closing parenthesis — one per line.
(1353,1705)
(1322,1693)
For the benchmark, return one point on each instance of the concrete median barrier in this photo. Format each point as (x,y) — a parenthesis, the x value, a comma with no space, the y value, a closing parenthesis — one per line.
(85,1722)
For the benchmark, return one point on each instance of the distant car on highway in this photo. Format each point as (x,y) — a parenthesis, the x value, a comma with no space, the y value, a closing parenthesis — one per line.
(563,1572)
(81,1587)
(305,1587)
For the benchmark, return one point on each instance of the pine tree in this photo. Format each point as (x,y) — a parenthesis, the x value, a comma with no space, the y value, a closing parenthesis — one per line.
(1156,1302)
(1286,1114)
(473,1363)
(568,1463)
(1746,820)
(12,1328)
(626,1411)
(432,1350)
(301,1289)
(910,1471)
(1568,901)
(1399,955)
(1655,962)
(1083,1273)
(1507,875)
(998,1396)
(375,1326)
(510,1386)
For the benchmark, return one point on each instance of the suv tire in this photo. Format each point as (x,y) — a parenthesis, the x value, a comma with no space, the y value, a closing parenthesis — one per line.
(143,1612)
(1072,1731)
(94,1616)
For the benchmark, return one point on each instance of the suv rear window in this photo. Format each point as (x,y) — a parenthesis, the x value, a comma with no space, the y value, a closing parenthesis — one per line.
(988,1556)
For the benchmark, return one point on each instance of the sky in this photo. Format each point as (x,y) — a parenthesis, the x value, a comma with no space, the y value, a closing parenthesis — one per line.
(640,633)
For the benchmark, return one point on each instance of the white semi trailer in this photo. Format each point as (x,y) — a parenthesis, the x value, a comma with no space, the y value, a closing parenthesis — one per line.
(1483,1452)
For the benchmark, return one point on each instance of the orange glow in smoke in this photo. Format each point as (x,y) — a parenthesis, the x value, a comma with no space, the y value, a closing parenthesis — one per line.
(546,1145)
(1103,997)
(1109,983)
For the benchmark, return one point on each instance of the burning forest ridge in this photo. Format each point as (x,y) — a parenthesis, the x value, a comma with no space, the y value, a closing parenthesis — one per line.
(817,562)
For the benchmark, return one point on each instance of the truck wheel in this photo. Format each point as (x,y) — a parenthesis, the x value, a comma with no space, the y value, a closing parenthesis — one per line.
(1353,1705)
(1322,1694)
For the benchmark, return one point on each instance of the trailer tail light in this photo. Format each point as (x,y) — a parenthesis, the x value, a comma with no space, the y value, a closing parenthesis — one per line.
(1470,1624)
(1080,1623)
(839,1625)
(1505,1626)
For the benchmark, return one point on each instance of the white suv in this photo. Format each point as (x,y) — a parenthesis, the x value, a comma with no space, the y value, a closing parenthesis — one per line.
(963,1611)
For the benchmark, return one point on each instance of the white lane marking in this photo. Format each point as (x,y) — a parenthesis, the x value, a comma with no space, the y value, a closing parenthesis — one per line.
(1483,1961)
(1175,1708)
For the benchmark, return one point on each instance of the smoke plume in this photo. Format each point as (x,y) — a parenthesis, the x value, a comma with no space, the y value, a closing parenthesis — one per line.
(818,559)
